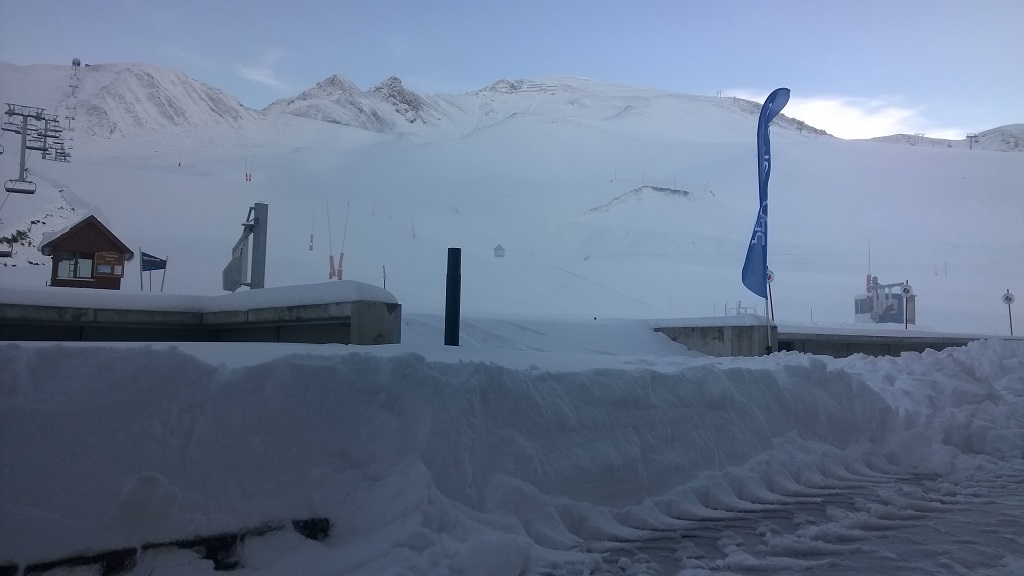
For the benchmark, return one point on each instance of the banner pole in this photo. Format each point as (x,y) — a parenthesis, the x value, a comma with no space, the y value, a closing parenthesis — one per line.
(164,275)
(768,328)
(140,268)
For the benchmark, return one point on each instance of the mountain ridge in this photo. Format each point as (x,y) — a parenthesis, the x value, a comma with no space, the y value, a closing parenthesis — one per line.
(116,100)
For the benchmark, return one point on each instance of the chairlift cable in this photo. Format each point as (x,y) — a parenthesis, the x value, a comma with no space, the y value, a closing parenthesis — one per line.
(344,233)
(312,220)
(330,245)
(330,241)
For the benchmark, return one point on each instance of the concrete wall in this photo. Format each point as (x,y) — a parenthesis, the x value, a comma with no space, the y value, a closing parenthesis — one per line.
(841,346)
(722,340)
(363,322)
(751,341)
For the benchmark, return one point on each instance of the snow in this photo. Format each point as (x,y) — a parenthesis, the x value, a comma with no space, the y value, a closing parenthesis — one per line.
(563,436)
(537,452)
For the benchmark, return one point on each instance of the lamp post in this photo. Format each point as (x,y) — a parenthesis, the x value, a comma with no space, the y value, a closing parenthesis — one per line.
(1008,300)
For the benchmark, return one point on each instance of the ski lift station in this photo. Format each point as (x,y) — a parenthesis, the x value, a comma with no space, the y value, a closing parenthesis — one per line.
(885,303)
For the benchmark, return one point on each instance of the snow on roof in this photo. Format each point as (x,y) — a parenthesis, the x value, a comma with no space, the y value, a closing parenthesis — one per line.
(49,237)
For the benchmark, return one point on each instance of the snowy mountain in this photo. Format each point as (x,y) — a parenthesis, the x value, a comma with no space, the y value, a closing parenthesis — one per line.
(391,108)
(123,100)
(338,101)
(410,105)
(1009,138)
(582,182)
(120,100)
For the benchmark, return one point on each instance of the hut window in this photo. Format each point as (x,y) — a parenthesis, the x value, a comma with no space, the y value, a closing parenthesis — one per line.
(75,265)
(83,268)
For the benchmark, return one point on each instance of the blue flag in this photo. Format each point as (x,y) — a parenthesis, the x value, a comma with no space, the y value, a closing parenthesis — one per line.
(755,267)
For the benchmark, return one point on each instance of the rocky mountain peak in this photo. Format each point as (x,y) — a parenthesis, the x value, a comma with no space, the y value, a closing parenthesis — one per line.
(337,83)
(404,101)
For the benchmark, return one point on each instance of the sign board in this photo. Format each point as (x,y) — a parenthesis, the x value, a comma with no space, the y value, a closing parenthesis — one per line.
(109,264)
(771,276)
(906,290)
(1008,299)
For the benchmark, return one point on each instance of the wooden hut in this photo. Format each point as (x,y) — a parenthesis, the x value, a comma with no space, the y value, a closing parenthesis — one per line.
(86,255)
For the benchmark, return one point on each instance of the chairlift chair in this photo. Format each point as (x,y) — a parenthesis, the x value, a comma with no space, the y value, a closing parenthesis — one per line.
(37,144)
(20,186)
(11,127)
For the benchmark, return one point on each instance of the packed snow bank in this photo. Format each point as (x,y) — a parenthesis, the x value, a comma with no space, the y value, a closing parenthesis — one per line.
(465,466)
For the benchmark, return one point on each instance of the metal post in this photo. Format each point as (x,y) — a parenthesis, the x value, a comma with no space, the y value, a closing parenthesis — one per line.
(453,297)
(140,269)
(906,307)
(259,246)
(24,143)
(768,326)
(1008,299)
(163,275)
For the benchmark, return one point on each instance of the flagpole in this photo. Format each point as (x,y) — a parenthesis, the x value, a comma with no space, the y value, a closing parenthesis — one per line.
(164,275)
(140,268)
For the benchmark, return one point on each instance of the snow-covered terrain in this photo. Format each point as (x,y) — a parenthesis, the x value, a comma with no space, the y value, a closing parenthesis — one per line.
(564,436)
(525,164)
(537,447)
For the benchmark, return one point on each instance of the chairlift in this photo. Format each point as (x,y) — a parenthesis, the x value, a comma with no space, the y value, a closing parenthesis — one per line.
(11,127)
(1,148)
(37,144)
(20,186)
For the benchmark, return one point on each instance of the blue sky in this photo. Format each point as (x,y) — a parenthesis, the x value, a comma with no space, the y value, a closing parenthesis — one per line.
(856,68)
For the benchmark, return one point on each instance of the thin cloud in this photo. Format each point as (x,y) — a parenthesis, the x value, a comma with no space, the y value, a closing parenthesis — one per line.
(263,72)
(852,117)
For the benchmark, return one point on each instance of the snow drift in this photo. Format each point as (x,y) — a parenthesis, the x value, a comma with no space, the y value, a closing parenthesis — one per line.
(423,464)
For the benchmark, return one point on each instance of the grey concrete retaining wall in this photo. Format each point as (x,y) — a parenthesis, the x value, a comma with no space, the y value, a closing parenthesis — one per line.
(751,341)
(722,340)
(843,345)
(360,322)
